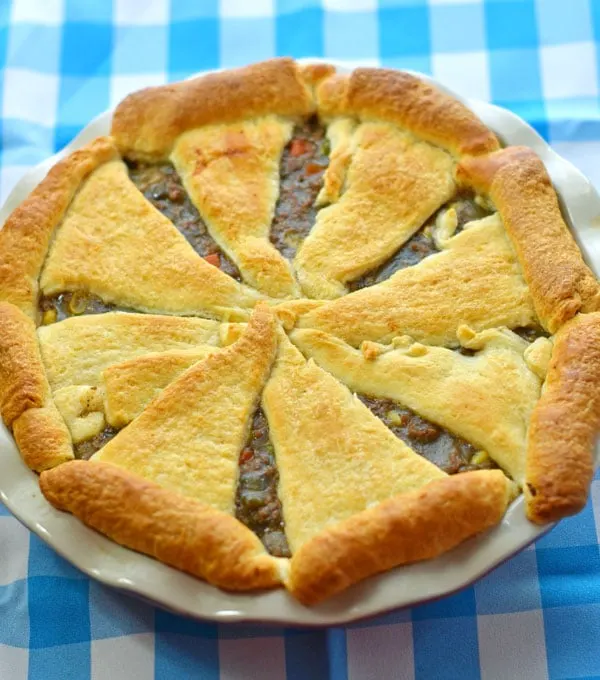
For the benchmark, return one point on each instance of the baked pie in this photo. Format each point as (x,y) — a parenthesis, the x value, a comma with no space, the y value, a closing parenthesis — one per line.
(286,326)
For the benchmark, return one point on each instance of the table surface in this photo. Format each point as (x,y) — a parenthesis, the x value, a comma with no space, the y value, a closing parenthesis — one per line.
(64,61)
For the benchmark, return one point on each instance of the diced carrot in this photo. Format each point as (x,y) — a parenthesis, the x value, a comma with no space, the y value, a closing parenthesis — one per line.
(213,259)
(299,147)
(313,168)
(246,455)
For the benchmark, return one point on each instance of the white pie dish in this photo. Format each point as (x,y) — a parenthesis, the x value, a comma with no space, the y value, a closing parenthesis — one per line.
(122,568)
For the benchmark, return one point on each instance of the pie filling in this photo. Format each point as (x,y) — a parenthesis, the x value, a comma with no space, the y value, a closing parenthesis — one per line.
(303,162)
(450,453)
(163,187)
(59,307)
(257,504)
(88,447)
(530,333)
(422,243)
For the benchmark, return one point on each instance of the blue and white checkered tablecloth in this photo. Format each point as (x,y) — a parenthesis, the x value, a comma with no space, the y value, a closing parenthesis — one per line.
(64,61)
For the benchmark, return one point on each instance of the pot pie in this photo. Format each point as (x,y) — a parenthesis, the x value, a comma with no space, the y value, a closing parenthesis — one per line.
(286,326)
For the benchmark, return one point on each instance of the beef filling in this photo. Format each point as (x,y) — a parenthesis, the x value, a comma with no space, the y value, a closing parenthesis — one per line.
(163,187)
(88,447)
(421,244)
(59,307)
(530,333)
(450,453)
(257,504)
(303,162)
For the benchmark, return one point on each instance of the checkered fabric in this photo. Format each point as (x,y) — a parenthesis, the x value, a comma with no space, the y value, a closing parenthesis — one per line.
(64,61)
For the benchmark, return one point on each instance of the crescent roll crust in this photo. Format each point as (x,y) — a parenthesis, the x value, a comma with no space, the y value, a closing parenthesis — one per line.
(179,531)
(565,424)
(281,303)
(560,282)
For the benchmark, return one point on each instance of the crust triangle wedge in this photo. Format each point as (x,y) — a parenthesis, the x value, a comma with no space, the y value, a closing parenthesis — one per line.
(371,502)
(113,243)
(231,173)
(165,485)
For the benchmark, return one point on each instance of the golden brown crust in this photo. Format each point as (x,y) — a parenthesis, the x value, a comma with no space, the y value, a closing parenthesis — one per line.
(391,187)
(334,457)
(565,423)
(179,531)
(461,393)
(146,123)
(400,98)
(190,436)
(410,527)
(231,173)
(516,180)
(22,381)
(43,438)
(25,402)
(475,280)
(26,235)
(106,245)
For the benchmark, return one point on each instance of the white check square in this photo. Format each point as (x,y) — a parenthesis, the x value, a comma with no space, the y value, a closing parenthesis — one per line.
(235,9)
(121,86)
(30,96)
(47,12)
(467,73)
(122,658)
(147,13)
(569,70)
(512,646)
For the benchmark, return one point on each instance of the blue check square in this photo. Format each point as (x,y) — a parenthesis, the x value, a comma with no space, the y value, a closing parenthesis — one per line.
(244,41)
(561,22)
(460,604)
(13,612)
(140,49)
(190,11)
(74,664)
(300,34)
(166,622)
(86,49)
(569,575)
(81,99)
(25,143)
(34,47)
(112,615)
(504,64)
(193,46)
(510,24)
(58,611)
(340,25)
(404,31)
(44,561)
(470,37)
(184,656)
(95,12)
(572,635)
(452,638)
(511,587)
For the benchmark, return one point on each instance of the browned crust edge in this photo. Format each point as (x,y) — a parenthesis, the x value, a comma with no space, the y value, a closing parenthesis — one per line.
(176,530)
(146,123)
(408,528)
(405,100)
(25,237)
(564,424)
(516,180)
(25,402)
